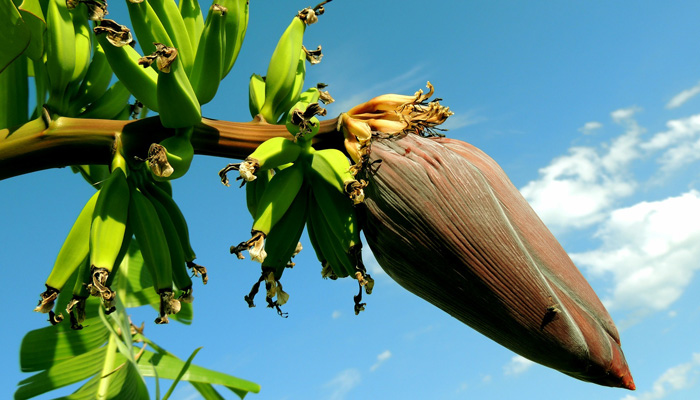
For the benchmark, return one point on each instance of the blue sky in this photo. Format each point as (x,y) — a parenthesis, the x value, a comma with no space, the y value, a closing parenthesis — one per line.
(593,110)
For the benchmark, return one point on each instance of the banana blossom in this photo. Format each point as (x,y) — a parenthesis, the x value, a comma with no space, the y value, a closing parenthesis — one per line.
(446,223)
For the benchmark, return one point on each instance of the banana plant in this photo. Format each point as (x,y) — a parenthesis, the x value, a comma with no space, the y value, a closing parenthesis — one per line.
(132,245)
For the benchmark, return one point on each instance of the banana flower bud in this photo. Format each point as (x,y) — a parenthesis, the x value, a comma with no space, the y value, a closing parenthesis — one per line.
(446,223)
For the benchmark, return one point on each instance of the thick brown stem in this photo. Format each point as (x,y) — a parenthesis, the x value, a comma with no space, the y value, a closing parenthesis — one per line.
(35,146)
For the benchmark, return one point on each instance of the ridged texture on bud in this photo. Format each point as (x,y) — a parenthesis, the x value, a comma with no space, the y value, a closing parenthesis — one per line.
(446,223)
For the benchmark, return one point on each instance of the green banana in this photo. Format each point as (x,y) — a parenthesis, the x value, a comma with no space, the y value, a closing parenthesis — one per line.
(326,260)
(281,72)
(169,15)
(270,154)
(73,253)
(180,276)
(208,63)
(171,158)
(148,27)
(333,168)
(292,96)
(143,218)
(76,306)
(336,192)
(110,104)
(166,201)
(83,46)
(282,243)
(60,51)
(194,21)
(325,245)
(254,190)
(236,25)
(278,196)
(96,290)
(179,107)
(109,226)
(256,94)
(96,80)
(124,61)
(343,256)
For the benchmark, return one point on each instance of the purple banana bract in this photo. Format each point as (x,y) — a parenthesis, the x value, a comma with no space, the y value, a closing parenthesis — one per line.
(445,222)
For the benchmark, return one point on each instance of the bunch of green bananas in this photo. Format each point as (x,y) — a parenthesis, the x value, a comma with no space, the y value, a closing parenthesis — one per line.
(271,97)
(184,59)
(128,203)
(72,68)
(290,185)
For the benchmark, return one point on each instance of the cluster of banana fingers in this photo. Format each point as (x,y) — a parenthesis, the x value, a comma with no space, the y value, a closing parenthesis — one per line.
(129,204)
(184,58)
(71,67)
(290,185)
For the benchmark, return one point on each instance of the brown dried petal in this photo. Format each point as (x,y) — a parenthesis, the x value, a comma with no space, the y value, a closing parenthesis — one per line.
(158,161)
(118,35)
(313,56)
(451,228)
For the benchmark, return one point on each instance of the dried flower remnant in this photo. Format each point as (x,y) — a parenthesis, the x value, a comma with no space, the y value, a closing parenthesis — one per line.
(390,115)
(446,223)
(118,35)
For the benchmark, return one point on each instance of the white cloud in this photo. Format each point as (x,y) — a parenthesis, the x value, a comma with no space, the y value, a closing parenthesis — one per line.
(383,356)
(343,383)
(651,251)
(578,190)
(336,314)
(680,143)
(624,114)
(517,365)
(589,127)
(676,378)
(486,379)
(682,97)
(679,131)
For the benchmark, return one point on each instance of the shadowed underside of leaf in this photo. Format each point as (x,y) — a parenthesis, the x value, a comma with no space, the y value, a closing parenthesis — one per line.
(62,356)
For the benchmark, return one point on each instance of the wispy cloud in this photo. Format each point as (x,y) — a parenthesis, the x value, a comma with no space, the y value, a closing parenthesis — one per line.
(679,144)
(650,249)
(336,314)
(676,378)
(407,83)
(590,127)
(343,383)
(381,358)
(682,97)
(413,335)
(517,365)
